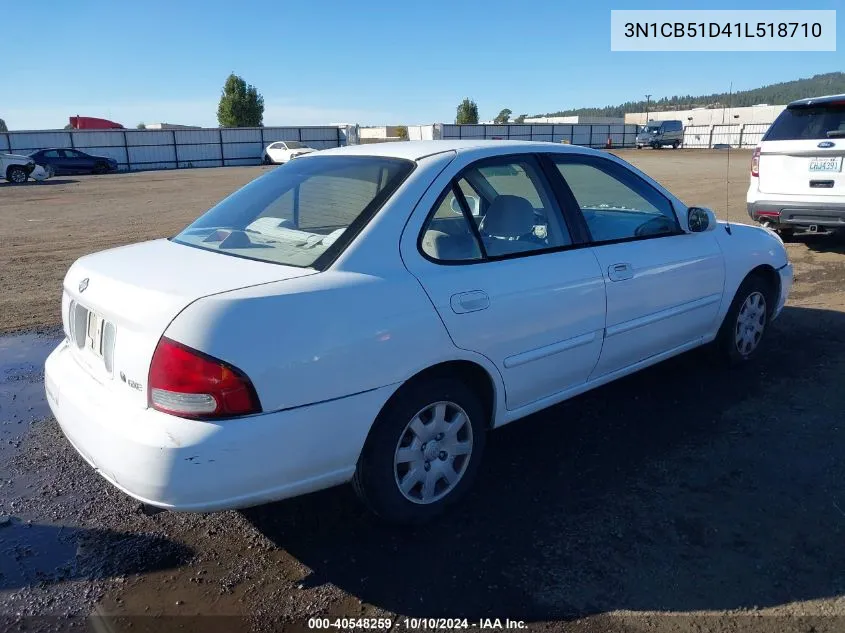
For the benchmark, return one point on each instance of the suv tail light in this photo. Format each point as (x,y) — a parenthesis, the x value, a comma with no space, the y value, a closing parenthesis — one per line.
(755,162)
(191,384)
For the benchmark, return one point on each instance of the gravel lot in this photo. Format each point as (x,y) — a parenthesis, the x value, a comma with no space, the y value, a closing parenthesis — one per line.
(685,497)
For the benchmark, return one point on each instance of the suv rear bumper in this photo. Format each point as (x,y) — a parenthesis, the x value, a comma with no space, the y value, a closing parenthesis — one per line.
(830,215)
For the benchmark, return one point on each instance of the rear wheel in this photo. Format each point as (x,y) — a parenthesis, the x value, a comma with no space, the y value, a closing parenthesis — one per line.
(655,145)
(267,159)
(16,174)
(100,168)
(676,145)
(746,322)
(423,451)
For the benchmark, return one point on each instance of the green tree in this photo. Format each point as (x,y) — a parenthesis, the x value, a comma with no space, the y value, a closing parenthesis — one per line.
(141,126)
(402,132)
(68,127)
(467,112)
(240,104)
(3,127)
(503,116)
(520,118)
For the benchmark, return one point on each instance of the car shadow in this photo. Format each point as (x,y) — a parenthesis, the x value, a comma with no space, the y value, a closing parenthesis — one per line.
(32,553)
(824,243)
(684,487)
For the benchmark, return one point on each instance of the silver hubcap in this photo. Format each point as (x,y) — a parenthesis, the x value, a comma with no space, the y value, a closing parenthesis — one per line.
(750,323)
(433,452)
(18,176)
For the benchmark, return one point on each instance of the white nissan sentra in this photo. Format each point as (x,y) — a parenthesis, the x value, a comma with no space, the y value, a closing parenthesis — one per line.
(370,313)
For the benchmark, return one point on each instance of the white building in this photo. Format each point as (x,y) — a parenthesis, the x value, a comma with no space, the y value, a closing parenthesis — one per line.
(762,113)
(577,119)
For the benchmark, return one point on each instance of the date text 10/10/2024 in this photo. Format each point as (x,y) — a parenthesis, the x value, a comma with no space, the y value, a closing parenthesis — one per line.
(416,624)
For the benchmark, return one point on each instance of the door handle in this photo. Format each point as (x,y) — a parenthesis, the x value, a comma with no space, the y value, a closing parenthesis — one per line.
(620,272)
(471,301)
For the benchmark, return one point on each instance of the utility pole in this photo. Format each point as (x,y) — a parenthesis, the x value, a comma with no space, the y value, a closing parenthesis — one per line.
(647,100)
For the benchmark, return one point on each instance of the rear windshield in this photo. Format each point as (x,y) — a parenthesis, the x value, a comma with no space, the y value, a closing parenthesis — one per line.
(793,124)
(294,144)
(300,212)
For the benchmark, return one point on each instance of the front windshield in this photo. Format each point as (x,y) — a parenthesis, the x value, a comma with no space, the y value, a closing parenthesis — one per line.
(294,213)
(653,128)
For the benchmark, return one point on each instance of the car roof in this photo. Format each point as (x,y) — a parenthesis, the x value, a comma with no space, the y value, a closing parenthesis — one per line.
(414,150)
(817,101)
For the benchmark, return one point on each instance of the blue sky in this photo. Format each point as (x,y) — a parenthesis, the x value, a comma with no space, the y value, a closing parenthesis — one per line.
(370,62)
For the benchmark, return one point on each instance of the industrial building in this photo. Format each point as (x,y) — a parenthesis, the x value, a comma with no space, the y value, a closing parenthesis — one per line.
(762,113)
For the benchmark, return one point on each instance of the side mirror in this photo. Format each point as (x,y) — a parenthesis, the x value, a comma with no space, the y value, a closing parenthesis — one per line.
(701,219)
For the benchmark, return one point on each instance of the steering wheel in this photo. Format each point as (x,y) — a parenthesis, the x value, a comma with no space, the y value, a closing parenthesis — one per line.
(654,226)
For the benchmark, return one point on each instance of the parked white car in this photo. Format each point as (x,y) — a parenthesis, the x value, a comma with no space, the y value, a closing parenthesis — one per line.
(16,168)
(797,185)
(281,152)
(353,316)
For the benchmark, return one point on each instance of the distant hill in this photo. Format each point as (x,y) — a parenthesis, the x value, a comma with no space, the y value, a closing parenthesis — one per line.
(775,94)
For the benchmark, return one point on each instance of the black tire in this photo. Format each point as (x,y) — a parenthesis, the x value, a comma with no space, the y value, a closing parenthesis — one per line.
(676,145)
(726,346)
(267,160)
(17,175)
(375,479)
(100,168)
(655,146)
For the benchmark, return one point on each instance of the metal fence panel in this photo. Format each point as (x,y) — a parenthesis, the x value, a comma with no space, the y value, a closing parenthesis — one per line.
(241,135)
(85,140)
(242,150)
(697,136)
(273,134)
(752,133)
(149,137)
(200,152)
(193,137)
(4,143)
(29,141)
(141,157)
(727,134)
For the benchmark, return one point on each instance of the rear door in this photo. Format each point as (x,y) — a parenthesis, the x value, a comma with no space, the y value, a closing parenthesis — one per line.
(498,261)
(803,151)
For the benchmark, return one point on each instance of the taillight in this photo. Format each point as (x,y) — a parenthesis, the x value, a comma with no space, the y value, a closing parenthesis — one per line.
(191,384)
(755,162)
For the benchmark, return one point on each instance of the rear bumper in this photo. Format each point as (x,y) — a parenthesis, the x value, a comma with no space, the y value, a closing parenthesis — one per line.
(197,466)
(830,215)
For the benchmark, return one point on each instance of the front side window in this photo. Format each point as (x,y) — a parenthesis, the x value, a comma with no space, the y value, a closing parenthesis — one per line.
(615,203)
(494,209)
(295,213)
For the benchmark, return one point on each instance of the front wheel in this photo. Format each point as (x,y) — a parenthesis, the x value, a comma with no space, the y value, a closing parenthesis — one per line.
(16,175)
(655,146)
(676,145)
(100,168)
(423,451)
(746,322)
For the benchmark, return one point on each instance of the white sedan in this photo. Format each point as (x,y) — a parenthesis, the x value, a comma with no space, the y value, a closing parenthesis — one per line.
(369,313)
(281,152)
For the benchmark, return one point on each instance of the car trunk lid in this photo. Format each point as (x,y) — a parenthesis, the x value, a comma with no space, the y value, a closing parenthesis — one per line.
(117,303)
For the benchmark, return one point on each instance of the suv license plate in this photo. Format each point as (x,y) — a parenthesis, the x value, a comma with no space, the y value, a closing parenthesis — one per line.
(826,164)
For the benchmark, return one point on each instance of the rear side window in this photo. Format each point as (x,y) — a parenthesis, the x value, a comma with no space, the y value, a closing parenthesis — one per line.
(820,122)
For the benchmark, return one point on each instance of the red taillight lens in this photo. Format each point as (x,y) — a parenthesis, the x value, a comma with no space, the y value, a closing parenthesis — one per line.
(191,384)
(755,162)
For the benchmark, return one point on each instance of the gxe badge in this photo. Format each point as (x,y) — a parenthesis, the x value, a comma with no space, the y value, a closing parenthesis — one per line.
(83,285)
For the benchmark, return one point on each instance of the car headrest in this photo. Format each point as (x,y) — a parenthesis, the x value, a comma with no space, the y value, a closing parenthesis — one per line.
(509,216)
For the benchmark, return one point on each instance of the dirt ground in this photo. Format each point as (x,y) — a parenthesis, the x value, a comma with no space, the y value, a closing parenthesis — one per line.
(684,498)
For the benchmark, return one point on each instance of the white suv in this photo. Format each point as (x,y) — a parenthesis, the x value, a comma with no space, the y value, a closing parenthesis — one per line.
(16,168)
(797,185)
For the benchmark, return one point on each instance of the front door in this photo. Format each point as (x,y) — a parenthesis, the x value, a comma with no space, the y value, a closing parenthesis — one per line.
(664,285)
(497,259)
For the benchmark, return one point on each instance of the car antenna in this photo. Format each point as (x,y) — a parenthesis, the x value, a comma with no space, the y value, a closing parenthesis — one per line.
(728,170)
